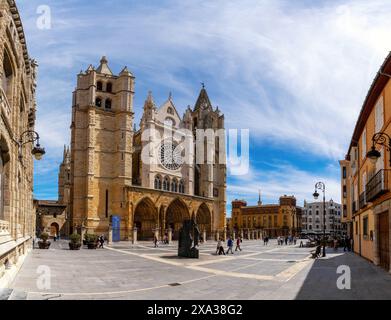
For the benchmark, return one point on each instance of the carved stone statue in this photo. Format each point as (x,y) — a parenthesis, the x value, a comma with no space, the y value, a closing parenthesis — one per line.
(189,236)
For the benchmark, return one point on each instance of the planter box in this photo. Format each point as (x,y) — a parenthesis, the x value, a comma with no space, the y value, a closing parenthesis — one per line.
(43,245)
(74,246)
(91,245)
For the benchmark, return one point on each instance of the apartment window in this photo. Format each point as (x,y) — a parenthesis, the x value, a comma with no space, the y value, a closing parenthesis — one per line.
(364,144)
(344,172)
(379,114)
(380,161)
(275,221)
(310,227)
(356,224)
(310,213)
(109,87)
(317,212)
(365,226)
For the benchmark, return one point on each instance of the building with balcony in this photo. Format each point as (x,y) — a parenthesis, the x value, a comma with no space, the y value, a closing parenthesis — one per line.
(17,117)
(346,210)
(271,220)
(366,184)
(312,219)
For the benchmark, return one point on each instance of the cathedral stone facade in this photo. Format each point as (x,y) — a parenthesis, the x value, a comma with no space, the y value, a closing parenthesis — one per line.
(130,183)
(17,116)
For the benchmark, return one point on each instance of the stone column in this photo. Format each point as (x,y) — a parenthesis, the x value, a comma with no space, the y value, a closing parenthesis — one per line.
(110,234)
(234,235)
(169,235)
(225,234)
(83,232)
(134,238)
(204,235)
(217,235)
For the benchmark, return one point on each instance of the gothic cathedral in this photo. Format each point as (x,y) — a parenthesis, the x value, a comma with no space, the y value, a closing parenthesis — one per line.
(126,183)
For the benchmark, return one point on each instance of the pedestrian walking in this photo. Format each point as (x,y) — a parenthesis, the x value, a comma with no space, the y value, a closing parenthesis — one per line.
(230,245)
(286,241)
(101,241)
(238,241)
(220,249)
(155,241)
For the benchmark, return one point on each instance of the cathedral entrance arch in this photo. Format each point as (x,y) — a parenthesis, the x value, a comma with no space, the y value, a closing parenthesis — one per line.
(145,219)
(54,229)
(204,220)
(177,211)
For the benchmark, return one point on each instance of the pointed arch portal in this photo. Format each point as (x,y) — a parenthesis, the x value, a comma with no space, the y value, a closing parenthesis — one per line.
(204,220)
(177,212)
(145,219)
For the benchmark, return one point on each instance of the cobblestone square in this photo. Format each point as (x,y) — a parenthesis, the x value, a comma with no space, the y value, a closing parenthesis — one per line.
(126,271)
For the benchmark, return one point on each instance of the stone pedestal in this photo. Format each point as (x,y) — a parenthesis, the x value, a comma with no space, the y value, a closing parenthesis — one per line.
(204,235)
(169,235)
(134,238)
(83,232)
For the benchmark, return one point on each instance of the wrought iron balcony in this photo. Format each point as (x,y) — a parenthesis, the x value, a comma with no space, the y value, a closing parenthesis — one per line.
(378,185)
(363,200)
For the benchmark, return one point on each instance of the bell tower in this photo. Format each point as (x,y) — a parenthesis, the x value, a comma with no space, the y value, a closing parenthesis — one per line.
(101,146)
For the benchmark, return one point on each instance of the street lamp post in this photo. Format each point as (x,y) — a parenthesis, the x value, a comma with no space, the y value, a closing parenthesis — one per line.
(382,139)
(321,186)
(28,137)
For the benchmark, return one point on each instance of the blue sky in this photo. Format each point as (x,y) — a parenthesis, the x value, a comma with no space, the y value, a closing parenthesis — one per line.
(294,73)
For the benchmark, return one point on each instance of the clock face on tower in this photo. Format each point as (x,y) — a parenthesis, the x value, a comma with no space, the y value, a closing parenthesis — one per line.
(170,155)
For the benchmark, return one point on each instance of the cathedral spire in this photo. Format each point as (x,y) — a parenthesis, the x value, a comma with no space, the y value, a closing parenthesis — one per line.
(259,198)
(203,101)
(104,67)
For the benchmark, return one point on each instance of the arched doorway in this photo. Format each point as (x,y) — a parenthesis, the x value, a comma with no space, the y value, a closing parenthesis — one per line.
(145,219)
(177,211)
(54,229)
(204,220)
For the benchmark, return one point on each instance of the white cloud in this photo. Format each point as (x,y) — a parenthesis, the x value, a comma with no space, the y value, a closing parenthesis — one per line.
(294,75)
(280,179)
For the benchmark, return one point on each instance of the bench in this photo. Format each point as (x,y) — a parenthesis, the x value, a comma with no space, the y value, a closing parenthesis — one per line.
(316,253)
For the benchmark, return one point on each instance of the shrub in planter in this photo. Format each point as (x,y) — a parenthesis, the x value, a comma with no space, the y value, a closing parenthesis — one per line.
(44,243)
(74,243)
(91,240)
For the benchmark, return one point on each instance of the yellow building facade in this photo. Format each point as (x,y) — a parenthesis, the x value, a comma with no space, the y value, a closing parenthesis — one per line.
(365,182)
(282,219)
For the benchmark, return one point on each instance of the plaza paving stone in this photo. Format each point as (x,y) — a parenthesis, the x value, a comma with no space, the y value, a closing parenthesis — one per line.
(126,271)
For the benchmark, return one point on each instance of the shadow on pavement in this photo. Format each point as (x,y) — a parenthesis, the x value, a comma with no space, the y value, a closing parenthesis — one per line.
(368,282)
